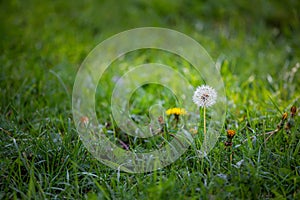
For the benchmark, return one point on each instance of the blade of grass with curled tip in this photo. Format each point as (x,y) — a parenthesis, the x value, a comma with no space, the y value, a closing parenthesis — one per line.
(276,106)
(61,82)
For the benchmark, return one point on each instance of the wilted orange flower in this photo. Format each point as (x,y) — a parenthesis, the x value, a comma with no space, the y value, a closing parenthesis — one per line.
(230,133)
(284,116)
(84,120)
(193,131)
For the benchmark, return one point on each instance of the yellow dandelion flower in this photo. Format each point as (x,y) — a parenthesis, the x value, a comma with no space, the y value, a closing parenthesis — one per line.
(176,111)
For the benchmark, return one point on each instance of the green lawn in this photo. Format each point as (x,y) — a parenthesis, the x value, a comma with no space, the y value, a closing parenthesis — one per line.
(43,43)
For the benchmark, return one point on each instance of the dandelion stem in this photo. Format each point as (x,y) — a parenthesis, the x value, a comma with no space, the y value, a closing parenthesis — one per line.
(204,121)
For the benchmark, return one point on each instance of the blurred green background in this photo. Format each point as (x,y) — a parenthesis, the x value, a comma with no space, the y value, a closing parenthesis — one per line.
(63,30)
(43,39)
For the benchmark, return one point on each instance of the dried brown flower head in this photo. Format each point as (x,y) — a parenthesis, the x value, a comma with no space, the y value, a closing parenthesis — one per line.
(293,110)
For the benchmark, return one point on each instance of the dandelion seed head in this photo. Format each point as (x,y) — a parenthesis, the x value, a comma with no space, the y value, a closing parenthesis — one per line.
(205,96)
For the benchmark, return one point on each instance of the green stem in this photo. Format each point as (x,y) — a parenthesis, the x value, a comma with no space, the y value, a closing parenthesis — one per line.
(204,121)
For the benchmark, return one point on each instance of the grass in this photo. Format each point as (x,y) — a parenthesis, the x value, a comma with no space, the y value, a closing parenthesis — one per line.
(42,46)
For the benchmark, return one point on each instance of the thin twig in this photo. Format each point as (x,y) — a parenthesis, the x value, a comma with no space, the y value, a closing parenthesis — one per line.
(123,144)
(176,138)
(5,131)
